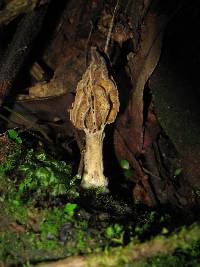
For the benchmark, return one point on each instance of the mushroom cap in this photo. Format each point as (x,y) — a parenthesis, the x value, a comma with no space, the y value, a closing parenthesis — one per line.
(96,102)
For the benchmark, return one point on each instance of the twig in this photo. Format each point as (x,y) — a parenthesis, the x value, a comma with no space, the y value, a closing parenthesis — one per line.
(87,43)
(4,118)
(111,28)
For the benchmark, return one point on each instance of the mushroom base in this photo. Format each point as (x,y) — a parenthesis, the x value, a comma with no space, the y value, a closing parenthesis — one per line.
(93,176)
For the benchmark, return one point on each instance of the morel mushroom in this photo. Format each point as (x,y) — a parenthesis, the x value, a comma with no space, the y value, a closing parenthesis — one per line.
(96,104)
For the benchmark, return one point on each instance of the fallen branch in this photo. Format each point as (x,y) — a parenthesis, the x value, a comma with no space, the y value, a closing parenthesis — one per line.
(13,8)
(133,252)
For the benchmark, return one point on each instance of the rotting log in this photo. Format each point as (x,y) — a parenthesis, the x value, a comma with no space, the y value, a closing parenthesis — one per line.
(19,49)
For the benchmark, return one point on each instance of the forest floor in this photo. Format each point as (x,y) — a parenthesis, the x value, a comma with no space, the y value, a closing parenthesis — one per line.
(46,220)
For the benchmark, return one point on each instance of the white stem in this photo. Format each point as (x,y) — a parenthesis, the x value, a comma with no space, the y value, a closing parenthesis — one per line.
(93,176)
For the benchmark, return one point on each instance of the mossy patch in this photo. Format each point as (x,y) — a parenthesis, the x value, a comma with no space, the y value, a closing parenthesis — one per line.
(41,217)
(45,216)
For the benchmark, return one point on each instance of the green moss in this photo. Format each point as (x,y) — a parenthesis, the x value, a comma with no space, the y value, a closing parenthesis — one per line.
(34,176)
(46,178)
(11,160)
(38,237)
(27,232)
(14,135)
